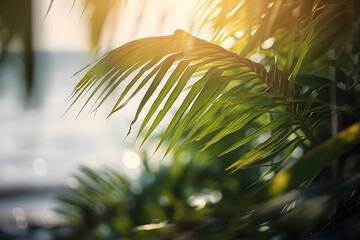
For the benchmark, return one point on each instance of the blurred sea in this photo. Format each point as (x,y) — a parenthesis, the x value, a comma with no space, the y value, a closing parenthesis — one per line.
(40,150)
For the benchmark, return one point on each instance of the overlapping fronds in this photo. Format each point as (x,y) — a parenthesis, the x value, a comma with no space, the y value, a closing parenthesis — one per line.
(231,93)
(106,198)
(248,23)
(97,194)
(254,114)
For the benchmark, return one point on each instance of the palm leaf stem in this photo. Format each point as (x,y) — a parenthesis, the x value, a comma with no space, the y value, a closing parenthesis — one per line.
(304,126)
(292,110)
(263,74)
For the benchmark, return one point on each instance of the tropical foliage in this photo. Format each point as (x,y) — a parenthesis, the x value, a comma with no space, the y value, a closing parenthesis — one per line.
(278,77)
(231,91)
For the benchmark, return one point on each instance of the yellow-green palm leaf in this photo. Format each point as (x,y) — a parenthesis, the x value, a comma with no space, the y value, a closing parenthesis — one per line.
(226,93)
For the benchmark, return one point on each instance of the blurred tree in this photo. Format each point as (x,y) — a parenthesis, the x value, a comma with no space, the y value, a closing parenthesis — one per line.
(108,205)
(15,23)
(193,199)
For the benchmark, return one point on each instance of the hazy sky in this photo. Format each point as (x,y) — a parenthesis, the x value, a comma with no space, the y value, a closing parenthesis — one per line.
(65,29)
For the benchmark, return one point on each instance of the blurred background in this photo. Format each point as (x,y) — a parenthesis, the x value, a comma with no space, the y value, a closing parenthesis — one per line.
(65,175)
(42,44)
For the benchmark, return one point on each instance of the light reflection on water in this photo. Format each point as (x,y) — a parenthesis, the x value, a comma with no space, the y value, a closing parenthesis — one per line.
(39,148)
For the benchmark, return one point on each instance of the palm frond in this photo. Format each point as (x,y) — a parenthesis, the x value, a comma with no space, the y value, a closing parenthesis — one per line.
(231,93)
(318,158)
(99,194)
(257,19)
(248,23)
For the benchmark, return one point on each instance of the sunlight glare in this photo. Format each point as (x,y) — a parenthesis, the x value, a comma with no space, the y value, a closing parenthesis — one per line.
(199,201)
(298,152)
(257,57)
(269,176)
(263,137)
(239,34)
(131,160)
(20,218)
(253,31)
(228,43)
(72,182)
(264,228)
(268,43)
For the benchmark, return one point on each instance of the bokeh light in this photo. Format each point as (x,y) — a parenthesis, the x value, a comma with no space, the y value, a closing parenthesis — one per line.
(131,160)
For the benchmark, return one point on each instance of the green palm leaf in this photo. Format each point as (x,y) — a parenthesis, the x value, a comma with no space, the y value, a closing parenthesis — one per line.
(246,24)
(229,95)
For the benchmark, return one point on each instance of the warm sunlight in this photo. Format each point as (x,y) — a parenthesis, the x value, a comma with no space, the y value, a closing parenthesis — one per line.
(65,28)
(159,119)
(131,160)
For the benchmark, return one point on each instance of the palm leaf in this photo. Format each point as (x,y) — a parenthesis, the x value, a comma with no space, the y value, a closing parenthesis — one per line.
(231,93)
(246,24)
(264,17)
(318,158)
